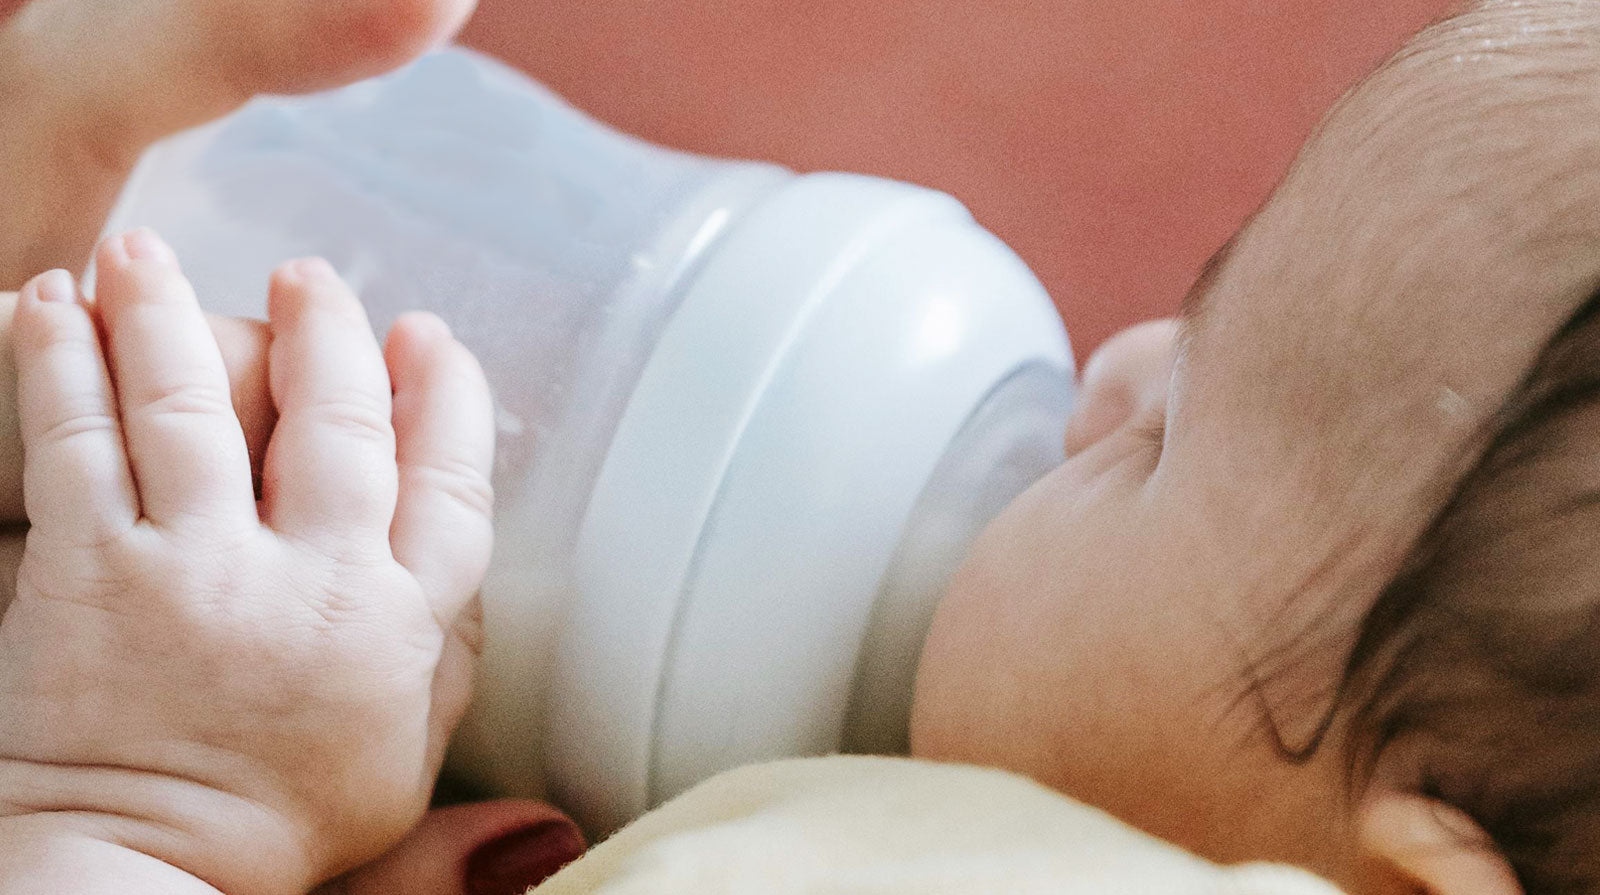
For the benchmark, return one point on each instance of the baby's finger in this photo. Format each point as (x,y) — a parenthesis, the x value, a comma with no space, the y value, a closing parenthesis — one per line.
(76,477)
(330,465)
(183,439)
(444,423)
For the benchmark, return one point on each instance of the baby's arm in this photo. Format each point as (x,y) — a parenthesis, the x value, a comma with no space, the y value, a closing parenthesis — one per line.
(46,857)
(243,344)
(203,692)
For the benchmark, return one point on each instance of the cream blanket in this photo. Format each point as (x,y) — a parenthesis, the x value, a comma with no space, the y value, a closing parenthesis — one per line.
(873,826)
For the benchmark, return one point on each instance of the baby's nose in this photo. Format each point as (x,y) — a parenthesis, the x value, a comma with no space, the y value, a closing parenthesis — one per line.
(1125,381)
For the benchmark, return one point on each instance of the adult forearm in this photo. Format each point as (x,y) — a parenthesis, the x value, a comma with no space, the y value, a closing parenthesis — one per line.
(243,343)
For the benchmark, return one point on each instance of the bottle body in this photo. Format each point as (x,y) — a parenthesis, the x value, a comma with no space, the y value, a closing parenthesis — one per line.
(552,247)
(638,313)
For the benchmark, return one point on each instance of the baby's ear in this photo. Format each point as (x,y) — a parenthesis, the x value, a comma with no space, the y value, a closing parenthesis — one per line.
(1433,845)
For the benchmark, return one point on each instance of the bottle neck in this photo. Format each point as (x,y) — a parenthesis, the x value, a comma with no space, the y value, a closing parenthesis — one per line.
(1010,441)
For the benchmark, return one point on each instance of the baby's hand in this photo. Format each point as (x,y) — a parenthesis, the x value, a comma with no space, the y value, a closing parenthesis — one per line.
(256,693)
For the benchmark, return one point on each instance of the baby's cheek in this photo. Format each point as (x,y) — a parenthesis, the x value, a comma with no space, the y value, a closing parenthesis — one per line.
(1006,659)
(967,685)
(937,710)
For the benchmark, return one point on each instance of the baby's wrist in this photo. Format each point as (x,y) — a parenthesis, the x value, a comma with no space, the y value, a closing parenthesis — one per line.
(47,853)
(187,836)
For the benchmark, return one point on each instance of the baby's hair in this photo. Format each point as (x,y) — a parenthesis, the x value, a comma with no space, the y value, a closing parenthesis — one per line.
(1479,665)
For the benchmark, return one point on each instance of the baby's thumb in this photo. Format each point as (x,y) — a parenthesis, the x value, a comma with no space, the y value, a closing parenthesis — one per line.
(491,848)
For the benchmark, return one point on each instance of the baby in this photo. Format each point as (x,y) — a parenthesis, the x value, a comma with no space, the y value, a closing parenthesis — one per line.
(208,692)
(1312,587)
(1317,581)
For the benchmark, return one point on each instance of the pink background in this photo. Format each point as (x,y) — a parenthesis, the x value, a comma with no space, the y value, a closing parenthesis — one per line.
(1115,145)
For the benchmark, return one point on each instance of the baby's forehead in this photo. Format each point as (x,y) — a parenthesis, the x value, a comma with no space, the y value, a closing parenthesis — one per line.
(1338,385)
(1325,417)
(1525,518)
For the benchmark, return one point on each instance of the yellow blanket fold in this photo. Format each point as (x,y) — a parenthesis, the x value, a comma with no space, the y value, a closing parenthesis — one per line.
(875,826)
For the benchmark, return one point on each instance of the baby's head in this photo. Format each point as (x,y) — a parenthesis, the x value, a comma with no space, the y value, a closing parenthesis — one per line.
(1318,581)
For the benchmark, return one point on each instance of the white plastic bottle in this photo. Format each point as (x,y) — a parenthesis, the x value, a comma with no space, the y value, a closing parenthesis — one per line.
(750,420)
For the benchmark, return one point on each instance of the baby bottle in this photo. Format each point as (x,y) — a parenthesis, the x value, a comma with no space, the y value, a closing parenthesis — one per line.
(749,420)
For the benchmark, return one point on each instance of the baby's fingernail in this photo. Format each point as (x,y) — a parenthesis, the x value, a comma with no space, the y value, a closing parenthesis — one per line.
(429,325)
(512,863)
(144,245)
(55,285)
(307,270)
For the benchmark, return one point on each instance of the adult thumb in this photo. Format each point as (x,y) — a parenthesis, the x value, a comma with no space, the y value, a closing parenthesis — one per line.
(490,848)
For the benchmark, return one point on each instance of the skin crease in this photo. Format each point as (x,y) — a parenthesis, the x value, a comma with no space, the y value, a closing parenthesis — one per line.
(72,133)
(264,723)
(1139,519)
(1156,622)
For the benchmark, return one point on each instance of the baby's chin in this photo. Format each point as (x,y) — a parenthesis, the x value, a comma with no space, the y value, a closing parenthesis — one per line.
(962,708)
(972,698)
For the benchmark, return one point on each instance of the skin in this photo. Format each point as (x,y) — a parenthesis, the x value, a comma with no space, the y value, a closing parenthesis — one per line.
(1153,624)
(141,71)
(261,724)
(72,133)
(1131,631)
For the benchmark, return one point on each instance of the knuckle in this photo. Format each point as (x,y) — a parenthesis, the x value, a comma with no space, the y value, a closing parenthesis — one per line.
(109,544)
(186,398)
(74,427)
(354,415)
(204,522)
(456,480)
(202,570)
(44,327)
